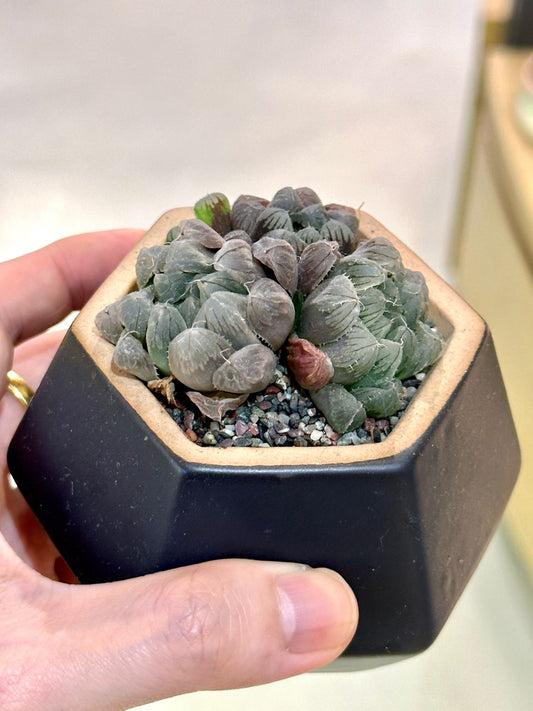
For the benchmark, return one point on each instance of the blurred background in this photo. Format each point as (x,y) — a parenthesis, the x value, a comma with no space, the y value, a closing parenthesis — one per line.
(114,112)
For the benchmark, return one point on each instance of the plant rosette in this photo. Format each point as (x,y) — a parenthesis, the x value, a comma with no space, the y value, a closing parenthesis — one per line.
(123,491)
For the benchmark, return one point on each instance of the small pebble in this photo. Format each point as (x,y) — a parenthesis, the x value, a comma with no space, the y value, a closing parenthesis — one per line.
(281,428)
(240,428)
(242,442)
(272,389)
(225,443)
(411,383)
(348,438)
(209,439)
(188,419)
(300,442)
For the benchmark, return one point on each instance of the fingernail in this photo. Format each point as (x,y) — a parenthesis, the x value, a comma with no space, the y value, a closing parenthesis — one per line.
(318,610)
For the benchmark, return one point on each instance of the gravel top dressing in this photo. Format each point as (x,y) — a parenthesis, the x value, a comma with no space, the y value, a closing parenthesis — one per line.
(283,415)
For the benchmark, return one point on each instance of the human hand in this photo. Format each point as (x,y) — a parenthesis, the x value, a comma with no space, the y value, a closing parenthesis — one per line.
(218,625)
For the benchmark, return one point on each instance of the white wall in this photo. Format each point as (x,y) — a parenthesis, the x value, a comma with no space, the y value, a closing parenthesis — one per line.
(113,112)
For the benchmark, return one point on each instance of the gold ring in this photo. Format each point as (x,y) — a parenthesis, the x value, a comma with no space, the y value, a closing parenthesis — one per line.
(18,387)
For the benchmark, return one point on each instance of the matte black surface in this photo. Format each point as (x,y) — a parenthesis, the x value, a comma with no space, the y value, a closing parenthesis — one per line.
(406,532)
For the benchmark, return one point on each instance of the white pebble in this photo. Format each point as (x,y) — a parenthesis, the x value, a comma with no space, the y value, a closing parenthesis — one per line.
(209,438)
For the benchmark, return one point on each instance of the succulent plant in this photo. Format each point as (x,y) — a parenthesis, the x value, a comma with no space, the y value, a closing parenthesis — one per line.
(237,289)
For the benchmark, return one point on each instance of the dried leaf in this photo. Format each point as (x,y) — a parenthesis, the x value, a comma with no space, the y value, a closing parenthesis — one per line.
(166,388)
(216,406)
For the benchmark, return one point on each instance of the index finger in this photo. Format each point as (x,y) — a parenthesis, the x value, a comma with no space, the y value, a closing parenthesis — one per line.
(37,290)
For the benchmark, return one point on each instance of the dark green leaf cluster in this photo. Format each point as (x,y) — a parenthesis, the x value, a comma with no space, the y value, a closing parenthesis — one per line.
(237,287)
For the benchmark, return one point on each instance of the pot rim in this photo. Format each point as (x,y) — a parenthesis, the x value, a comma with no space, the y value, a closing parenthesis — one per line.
(458,322)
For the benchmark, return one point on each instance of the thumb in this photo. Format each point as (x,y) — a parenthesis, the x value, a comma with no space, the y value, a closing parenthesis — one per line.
(218,625)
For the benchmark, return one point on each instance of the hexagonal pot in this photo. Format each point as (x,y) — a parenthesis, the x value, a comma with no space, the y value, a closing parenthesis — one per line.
(122,491)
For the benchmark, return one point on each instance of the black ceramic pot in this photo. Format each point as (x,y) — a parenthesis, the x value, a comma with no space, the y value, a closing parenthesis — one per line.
(122,492)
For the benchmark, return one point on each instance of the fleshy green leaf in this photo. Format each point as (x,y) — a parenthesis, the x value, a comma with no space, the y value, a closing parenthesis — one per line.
(214,209)
(352,355)
(164,324)
(381,401)
(340,408)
